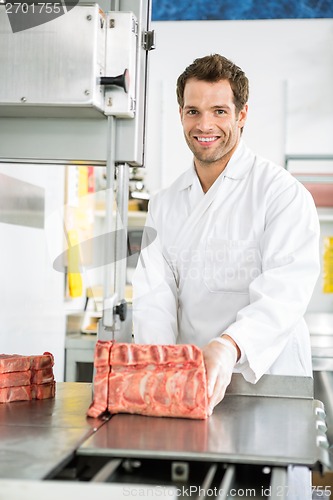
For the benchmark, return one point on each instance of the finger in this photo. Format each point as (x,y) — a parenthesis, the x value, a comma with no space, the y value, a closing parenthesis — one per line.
(219,391)
(212,376)
(217,396)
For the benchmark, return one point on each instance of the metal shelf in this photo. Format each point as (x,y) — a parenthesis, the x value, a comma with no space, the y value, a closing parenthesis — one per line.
(325,214)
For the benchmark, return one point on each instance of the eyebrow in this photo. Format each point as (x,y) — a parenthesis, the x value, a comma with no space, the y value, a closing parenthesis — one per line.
(217,106)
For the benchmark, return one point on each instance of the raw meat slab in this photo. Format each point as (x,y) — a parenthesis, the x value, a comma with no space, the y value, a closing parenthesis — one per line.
(14,379)
(153,380)
(17,363)
(27,392)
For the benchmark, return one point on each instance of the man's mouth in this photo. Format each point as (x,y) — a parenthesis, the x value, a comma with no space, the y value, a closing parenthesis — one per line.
(206,140)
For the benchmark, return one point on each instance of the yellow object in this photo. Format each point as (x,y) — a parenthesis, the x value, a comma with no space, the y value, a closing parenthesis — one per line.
(328,265)
(79,217)
(75,284)
(82,181)
(133,205)
(74,277)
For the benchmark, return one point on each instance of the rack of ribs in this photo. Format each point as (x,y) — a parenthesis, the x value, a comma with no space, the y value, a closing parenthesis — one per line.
(153,380)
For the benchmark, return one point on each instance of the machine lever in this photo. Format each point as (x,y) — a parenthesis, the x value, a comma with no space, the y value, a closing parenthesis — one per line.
(121,310)
(118,81)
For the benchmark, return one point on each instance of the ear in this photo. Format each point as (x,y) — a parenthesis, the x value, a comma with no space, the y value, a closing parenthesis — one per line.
(242,115)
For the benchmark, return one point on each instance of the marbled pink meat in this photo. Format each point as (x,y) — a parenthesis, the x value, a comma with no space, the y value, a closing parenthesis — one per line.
(19,393)
(154,380)
(13,379)
(27,392)
(18,363)
(24,378)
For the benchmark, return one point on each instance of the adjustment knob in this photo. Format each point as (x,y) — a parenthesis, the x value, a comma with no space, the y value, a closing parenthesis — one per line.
(121,309)
(118,81)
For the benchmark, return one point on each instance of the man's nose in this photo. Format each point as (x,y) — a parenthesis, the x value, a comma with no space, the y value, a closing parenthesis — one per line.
(205,122)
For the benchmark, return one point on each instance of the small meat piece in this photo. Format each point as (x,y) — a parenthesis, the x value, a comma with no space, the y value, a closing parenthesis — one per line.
(44,376)
(10,394)
(27,392)
(18,363)
(14,363)
(14,379)
(42,361)
(23,378)
(27,377)
(154,380)
(43,391)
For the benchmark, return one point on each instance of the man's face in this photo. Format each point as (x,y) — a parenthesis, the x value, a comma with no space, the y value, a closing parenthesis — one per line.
(210,122)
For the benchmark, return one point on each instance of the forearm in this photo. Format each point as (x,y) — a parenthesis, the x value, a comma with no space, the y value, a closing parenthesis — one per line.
(226,339)
(155,317)
(154,297)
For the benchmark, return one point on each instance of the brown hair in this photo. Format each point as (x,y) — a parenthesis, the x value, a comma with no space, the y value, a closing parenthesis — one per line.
(212,69)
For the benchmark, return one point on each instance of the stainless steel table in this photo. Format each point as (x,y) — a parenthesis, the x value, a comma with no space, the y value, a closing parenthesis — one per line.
(275,422)
(258,429)
(38,437)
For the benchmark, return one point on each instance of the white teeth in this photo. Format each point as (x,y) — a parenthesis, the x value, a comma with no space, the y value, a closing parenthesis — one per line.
(206,139)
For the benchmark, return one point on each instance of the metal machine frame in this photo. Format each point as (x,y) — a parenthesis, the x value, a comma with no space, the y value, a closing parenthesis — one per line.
(64,102)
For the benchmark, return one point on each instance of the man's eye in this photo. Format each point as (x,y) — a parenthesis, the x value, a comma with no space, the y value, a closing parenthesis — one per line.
(192,111)
(220,111)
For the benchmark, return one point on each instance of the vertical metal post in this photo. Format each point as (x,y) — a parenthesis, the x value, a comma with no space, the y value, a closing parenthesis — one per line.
(278,485)
(107,322)
(116,239)
(121,233)
(115,5)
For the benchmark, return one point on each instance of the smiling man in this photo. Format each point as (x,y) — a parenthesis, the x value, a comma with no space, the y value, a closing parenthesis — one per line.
(212,125)
(236,257)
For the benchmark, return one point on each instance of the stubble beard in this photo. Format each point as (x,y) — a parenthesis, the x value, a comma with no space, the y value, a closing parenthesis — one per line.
(207,158)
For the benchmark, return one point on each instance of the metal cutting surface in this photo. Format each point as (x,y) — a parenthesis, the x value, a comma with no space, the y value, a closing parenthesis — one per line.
(253,427)
(36,437)
(273,422)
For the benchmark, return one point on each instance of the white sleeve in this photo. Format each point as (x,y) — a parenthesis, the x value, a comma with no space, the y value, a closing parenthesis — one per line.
(279,296)
(155,300)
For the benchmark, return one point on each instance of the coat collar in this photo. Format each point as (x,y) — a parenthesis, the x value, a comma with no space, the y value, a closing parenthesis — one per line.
(238,167)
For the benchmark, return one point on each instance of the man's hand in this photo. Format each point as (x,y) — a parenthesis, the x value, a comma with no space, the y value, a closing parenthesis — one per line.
(220,360)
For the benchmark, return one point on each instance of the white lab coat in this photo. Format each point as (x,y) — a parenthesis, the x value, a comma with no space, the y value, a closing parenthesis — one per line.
(241,259)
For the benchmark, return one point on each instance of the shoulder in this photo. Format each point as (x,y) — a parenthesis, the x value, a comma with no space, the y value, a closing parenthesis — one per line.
(260,171)
(275,179)
(166,196)
(272,172)
(281,192)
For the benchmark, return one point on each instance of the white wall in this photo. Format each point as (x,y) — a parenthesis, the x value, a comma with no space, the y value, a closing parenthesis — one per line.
(290,67)
(32,315)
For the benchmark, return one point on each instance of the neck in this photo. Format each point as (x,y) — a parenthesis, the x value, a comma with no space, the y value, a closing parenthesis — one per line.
(209,172)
